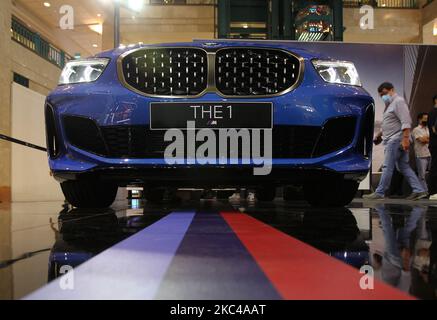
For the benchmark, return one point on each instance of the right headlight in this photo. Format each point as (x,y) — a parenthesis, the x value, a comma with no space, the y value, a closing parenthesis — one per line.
(342,72)
(82,71)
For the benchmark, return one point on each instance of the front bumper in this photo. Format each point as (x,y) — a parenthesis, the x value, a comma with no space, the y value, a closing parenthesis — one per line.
(207,177)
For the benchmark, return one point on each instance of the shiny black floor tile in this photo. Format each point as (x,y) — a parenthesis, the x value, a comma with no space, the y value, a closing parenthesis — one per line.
(394,237)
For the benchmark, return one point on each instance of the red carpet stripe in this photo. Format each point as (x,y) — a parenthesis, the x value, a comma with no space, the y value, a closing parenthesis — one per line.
(299,271)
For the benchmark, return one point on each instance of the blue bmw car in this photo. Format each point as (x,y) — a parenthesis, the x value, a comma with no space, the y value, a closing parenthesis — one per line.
(113,117)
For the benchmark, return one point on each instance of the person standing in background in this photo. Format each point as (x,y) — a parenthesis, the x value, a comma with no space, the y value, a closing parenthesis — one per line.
(432,125)
(421,148)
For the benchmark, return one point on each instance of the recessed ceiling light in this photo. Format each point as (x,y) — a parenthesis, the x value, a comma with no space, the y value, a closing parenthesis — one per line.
(99,15)
(96,28)
(47,4)
(95,46)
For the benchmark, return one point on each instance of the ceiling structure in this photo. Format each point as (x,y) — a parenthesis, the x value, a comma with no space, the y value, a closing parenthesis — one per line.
(45,20)
(152,24)
(166,23)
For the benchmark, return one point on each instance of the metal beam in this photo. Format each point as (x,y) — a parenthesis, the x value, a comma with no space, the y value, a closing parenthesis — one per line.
(274,19)
(116,24)
(287,20)
(224,18)
(337,6)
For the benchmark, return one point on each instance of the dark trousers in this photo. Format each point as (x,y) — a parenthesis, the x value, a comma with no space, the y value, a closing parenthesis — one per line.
(433,170)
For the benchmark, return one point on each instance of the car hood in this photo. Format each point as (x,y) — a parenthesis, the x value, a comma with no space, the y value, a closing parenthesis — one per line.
(217,44)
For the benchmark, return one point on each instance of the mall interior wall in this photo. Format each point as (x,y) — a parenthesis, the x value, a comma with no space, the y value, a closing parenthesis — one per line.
(390,26)
(168,23)
(6,286)
(42,75)
(429,23)
(31,180)
(5,98)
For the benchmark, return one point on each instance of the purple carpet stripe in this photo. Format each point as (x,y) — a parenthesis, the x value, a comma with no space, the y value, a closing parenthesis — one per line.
(212,263)
(132,269)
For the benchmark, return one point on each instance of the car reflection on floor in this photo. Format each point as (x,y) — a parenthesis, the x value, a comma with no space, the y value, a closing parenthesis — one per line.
(84,233)
(395,239)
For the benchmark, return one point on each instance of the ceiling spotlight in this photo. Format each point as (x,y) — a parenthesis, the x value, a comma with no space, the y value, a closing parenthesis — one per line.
(95,46)
(47,4)
(135,5)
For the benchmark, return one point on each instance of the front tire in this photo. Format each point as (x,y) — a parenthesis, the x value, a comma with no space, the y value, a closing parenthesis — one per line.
(331,192)
(89,194)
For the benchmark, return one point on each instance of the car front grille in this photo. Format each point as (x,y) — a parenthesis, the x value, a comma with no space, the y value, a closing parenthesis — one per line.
(166,71)
(139,142)
(189,72)
(255,72)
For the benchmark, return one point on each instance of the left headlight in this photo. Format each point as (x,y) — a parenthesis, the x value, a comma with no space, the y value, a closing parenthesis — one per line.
(342,72)
(82,71)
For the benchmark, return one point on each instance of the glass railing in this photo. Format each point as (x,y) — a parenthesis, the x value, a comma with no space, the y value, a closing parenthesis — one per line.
(34,42)
(404,4)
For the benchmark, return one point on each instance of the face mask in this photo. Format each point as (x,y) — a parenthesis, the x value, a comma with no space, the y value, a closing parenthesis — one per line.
(386,98)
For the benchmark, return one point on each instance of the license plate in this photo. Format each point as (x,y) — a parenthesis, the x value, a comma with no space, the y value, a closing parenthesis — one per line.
(212,115)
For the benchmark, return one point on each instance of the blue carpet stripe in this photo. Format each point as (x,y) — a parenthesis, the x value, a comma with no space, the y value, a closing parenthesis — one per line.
(132,269)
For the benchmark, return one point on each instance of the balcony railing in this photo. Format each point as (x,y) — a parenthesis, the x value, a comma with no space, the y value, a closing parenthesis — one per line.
(403,4)
(34,42)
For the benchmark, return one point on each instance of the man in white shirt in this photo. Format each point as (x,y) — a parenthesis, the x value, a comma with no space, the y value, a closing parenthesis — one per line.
(421,148)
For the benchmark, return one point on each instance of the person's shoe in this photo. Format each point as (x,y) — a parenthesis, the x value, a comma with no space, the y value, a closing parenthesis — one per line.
(417,196)
(235,197)
(433,197)
(373,196)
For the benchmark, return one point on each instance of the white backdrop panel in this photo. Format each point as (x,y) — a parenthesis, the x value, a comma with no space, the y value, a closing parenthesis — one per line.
(31,180)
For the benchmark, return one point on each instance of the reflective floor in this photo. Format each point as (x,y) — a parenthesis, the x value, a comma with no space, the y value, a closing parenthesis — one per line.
(215,245)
